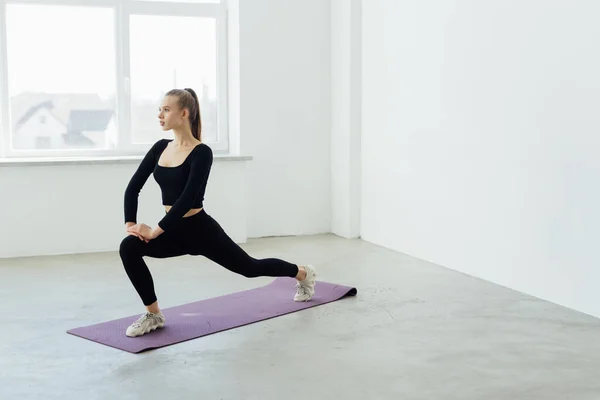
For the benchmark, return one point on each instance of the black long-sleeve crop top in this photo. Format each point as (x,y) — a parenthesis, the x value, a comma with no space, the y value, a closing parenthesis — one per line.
(182,187)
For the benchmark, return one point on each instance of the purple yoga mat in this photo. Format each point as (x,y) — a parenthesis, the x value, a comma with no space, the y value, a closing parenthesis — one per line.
(205,317)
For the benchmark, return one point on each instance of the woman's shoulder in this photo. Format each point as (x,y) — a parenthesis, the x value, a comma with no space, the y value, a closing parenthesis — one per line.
(162,142)
(159,146)
(202,149)
(202,153)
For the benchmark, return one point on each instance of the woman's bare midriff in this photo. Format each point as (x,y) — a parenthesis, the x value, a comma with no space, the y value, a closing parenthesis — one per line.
(192,211)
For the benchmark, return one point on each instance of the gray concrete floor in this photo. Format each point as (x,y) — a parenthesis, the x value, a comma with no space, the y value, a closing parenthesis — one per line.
(414,331)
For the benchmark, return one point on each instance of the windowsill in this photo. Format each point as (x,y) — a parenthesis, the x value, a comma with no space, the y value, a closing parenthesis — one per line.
(11,162)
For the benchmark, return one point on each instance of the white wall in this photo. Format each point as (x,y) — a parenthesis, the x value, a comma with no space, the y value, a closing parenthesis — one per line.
(284,124)
(345,117)
(285,115)
(79,208)
(481,140)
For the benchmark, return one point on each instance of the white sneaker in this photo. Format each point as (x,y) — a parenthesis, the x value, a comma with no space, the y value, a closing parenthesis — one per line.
(305,289)
(146,323)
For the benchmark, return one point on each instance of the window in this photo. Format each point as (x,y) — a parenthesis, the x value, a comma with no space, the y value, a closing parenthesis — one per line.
(86,77)
(43,142)
(64,69)
(165,55)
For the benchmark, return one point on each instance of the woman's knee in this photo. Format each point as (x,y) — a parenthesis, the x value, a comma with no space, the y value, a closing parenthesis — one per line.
(250,268)
(242,265)
(130,246)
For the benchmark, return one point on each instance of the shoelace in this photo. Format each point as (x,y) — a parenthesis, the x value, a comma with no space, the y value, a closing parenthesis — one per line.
(142,319)
(300,289)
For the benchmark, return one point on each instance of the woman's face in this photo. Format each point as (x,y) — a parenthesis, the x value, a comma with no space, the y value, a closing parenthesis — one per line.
(170,115)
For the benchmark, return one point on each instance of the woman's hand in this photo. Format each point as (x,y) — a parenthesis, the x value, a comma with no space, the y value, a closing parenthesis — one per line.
(132,232)
(143,231)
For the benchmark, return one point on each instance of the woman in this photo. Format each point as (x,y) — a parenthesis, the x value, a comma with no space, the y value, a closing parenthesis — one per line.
(181,168)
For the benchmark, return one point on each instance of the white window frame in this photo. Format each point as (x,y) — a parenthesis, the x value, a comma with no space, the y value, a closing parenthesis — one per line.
(123,9)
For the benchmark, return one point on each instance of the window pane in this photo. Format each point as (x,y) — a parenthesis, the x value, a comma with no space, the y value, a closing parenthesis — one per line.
(61,74)
(171,52)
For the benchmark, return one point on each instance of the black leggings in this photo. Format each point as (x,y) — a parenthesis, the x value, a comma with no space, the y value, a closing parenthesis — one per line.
(199,234)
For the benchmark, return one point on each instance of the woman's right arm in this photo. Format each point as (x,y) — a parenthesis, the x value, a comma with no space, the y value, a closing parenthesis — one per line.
(136,183)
